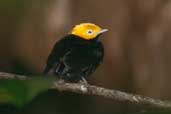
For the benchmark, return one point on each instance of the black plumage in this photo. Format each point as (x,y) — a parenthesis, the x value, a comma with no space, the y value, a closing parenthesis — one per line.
(73,58)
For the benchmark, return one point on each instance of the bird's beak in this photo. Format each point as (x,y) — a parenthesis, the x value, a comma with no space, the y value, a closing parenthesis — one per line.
(102,31)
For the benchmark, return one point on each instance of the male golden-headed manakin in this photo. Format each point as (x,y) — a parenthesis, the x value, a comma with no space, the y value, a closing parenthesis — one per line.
(78,54)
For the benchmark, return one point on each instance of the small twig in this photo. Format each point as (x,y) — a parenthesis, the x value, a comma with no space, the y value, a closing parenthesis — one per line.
(4,75)
(98,91)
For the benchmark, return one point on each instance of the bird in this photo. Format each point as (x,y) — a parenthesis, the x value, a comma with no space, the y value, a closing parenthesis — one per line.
(77,55)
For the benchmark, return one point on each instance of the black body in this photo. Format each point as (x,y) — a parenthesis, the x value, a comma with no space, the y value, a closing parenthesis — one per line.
(73,58)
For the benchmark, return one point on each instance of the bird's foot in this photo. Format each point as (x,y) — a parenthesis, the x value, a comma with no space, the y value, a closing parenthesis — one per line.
(83,81)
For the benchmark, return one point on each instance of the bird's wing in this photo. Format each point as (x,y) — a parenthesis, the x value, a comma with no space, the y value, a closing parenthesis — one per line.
(59,49)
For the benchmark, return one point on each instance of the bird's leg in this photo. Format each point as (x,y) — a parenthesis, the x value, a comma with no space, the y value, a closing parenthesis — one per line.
(83,81)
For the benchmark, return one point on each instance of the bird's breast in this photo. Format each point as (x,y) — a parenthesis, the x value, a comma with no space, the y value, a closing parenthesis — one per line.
(80,56)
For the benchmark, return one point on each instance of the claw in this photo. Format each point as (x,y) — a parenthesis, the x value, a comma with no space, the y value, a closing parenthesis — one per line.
(83,81)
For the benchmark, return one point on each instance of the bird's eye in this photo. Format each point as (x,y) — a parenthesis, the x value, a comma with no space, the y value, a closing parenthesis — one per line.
(89,32)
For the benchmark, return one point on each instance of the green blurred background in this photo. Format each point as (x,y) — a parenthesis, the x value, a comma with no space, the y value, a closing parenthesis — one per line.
(137,49)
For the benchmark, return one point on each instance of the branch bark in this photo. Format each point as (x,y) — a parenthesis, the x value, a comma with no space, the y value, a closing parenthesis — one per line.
(98,91)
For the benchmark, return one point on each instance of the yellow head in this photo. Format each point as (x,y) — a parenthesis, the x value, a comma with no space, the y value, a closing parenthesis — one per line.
(87,31)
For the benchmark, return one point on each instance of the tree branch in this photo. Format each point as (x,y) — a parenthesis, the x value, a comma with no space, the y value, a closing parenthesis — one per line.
(98,91)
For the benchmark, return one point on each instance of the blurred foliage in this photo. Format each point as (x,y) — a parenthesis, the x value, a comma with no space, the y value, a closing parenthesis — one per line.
(19,92)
